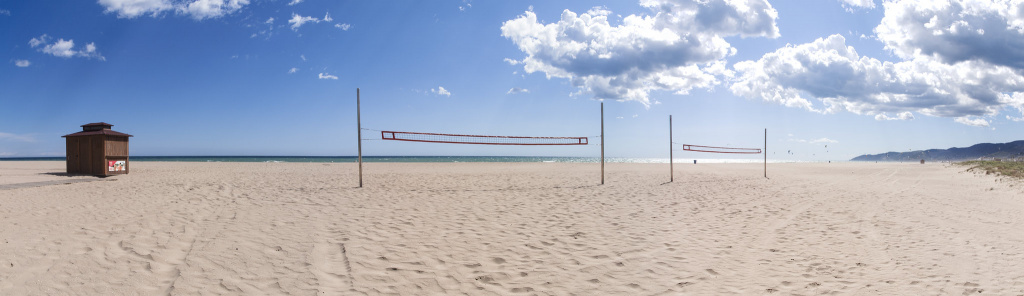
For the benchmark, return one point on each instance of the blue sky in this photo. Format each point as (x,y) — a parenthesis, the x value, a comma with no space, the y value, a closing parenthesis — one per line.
(252,77)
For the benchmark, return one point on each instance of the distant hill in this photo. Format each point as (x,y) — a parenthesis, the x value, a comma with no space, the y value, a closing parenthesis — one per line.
(1009,150)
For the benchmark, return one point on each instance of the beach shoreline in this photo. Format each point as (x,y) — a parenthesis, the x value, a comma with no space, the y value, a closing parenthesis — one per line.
(511,228)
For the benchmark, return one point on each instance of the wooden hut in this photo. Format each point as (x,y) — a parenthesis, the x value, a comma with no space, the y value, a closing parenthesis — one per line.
(97,150)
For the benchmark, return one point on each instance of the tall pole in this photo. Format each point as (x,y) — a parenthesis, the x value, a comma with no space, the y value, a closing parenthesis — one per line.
(359,133)
(766,153)
(602,143)
(671,174)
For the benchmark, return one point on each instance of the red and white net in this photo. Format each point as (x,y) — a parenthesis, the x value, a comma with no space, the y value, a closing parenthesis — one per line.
(712,149)
(479,139)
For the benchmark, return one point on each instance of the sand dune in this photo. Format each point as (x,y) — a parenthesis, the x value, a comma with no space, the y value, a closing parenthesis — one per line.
(512,229)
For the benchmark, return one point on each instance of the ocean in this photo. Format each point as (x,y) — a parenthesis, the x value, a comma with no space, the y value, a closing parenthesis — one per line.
(443,159)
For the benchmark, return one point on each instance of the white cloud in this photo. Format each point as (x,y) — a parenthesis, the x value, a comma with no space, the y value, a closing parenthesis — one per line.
(441,91)
(958,59)
(303,57)
(901,116)
(823,140)
(203,9)
(679,47)
(836,78)
(298,20)
(293,70)
(328,76)
(64,48)
(512,62)
(22,63)
(61,48)
(269,21)
(955,31)
(39,41)
(516,90)
(978,122)
(294,2)
(197,9)
(850,5)
(5,12)
(16,138)
(134,8)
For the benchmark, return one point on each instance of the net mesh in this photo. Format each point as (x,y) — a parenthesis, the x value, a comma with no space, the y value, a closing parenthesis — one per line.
(478,139)
(712,149)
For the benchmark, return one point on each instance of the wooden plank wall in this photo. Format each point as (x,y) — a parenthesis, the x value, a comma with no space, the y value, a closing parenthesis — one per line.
(98,163)
(117,146)
(72,155)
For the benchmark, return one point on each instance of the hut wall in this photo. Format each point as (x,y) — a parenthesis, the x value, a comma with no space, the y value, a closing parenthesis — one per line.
(72,155)
(97,155)
(116,146)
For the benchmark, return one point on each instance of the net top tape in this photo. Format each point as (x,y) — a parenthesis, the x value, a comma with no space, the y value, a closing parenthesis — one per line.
(480,139)
(713,149)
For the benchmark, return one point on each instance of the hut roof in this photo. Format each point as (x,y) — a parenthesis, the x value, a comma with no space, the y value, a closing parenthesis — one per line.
(99,132)
(98,124)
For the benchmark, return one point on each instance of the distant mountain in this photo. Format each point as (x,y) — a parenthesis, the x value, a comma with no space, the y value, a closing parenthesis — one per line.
(1009,150)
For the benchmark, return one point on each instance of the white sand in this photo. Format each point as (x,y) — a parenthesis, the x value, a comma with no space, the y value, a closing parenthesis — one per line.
(511,229)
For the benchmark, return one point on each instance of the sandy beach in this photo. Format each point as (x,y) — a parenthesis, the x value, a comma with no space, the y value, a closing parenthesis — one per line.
(511,229)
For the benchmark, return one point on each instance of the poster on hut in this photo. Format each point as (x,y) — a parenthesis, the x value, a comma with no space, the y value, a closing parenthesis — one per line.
(115,166)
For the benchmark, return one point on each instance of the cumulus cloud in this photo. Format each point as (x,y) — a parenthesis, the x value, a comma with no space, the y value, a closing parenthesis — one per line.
(294,2)
(850,5)
(298,20)
(441,91)
(293,70)
(203,9)
(22,63)
(134,8)
(516,90)
(678,47)
(827,76)
(901,116)
(958,59)
(5,12)
(64,48)
(979,122)
(955,31)
(39,41)
(327,76)
(197,9)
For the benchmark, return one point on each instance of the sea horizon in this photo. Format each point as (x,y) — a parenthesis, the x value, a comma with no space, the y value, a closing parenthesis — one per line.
(430,159)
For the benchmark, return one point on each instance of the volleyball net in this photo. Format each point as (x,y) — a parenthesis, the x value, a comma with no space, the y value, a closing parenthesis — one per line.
(713,149)
(480,139)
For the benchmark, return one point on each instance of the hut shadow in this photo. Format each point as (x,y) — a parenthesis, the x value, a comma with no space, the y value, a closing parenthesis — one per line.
(67,175)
